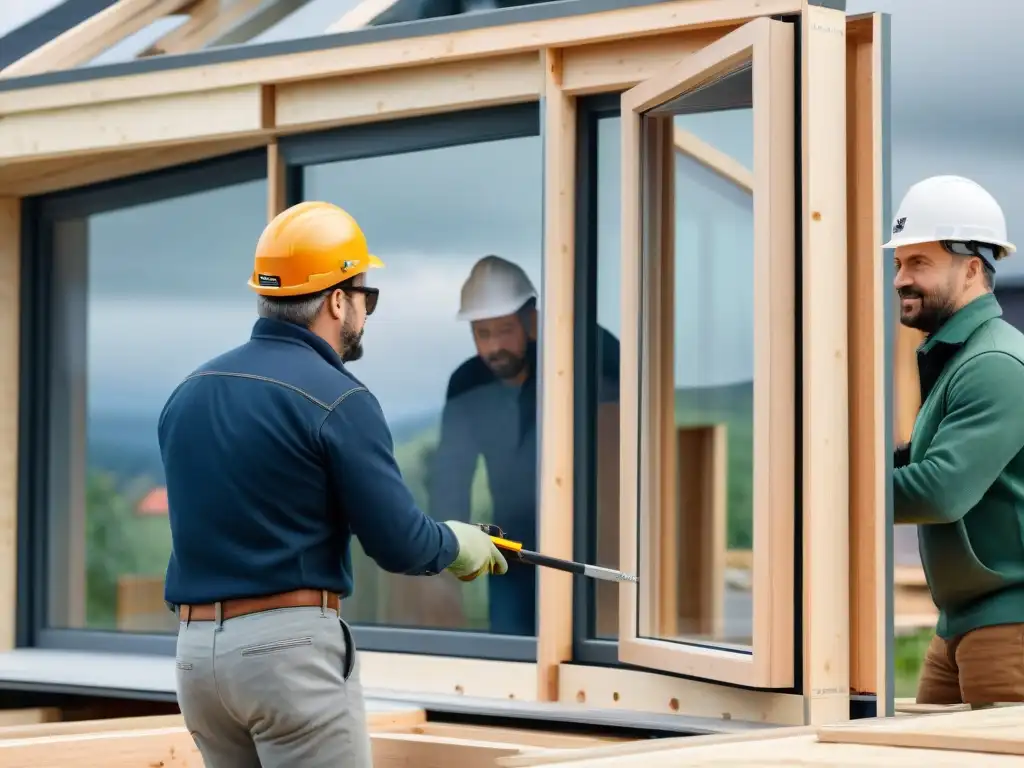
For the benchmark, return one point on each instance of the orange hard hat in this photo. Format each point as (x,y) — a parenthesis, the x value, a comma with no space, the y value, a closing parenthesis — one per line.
(308,248)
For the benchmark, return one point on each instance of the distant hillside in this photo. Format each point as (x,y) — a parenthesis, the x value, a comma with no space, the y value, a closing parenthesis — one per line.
(126,443)
(695,404)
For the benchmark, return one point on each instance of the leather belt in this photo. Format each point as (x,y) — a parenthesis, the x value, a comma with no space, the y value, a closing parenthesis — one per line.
(230,609)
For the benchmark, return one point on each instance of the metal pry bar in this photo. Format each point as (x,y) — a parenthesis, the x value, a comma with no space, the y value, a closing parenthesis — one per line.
(516,552)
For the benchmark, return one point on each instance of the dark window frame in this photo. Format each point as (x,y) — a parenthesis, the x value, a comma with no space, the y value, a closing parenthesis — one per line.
(39,216)
(392,137)
(587,649)
(361,141)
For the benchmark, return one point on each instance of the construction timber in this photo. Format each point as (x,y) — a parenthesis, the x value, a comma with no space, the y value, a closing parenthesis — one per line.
(834,381)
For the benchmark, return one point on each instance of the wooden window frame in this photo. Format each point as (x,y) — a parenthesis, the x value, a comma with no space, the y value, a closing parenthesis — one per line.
(769,45)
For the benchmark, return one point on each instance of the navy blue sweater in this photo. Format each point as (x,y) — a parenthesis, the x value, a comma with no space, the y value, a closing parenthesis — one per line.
(275,455)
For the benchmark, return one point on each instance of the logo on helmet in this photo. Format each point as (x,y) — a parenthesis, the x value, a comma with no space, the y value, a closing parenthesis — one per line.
(269,281)
(899,225)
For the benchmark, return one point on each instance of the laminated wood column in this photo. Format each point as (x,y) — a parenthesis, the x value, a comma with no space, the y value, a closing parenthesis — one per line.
(826,456)
(555,509)
(10,328)
(867,370)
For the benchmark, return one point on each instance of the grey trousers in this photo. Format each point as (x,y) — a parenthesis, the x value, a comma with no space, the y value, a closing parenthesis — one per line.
(273,689)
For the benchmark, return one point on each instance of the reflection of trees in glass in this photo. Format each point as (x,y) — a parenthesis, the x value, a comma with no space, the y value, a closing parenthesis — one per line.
(118,543)
(415,457)
(732,405)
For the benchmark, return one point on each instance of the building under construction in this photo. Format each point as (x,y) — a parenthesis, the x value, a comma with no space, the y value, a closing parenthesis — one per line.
(703,180)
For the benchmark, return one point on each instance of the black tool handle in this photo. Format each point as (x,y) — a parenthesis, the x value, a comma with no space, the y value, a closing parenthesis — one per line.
(536,558)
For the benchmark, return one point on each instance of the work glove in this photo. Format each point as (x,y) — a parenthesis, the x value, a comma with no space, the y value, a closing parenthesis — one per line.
(477,553)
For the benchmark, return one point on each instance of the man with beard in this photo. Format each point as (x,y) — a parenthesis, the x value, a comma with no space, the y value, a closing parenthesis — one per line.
(961,477)
(491,411)
(275,455)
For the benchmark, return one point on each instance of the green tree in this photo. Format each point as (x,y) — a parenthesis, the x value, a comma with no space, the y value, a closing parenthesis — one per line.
(110,549)
(119,543)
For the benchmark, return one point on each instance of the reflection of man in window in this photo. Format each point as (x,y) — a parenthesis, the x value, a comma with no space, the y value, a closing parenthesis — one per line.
(491,412)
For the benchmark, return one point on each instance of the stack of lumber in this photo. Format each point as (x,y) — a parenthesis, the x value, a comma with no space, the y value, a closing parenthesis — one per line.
(400,732)
(962,739)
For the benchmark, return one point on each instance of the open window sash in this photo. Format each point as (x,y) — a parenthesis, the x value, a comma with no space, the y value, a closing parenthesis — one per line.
(756,59)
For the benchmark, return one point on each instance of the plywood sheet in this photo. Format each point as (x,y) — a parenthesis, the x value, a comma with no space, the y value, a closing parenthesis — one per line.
(803,751)
(996,731)
(381,716)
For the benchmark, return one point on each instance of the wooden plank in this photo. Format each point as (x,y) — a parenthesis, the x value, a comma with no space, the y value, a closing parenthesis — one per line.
(45,723)
(555,534)
(207,21)
(395,749)
(621,64)
(648,747)
(866,328)
(622,24)
(10,344)
(228,113)
(175,747)
(416,673)
(826,524)
(549,739)
(42,176)
(361,15)
(631,690)
(999,730)
(389,95)
(16,718)
(802,750)
(44,729)
(93,36)
(277,182)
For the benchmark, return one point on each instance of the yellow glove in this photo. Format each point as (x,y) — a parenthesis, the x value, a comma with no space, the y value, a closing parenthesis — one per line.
(477,553)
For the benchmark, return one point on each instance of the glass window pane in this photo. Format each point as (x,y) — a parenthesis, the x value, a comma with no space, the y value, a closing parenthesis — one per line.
(706,591)
(460,395)
(139,302)
(606,419)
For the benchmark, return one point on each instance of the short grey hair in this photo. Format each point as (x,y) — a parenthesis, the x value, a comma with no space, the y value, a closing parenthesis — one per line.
(298,310)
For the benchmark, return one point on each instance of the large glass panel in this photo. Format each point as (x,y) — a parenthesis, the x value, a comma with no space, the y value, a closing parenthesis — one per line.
(459,392)
(142,296)
(705,566)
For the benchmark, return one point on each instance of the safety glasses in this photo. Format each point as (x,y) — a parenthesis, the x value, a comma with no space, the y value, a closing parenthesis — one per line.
(371,294)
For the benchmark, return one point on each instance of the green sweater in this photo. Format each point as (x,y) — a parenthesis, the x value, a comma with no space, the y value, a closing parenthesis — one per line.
(963,484)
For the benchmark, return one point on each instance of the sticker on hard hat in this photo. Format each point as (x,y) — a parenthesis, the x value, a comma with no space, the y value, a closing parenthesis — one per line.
(269,281)
(899,225)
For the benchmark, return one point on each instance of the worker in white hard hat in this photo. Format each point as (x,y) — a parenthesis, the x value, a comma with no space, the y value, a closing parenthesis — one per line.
(491,411)
(961,477)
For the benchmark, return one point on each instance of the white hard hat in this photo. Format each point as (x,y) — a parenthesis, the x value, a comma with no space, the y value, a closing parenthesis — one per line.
(949,208)
(495,288)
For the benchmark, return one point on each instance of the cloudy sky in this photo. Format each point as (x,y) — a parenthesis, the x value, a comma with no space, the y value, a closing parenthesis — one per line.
(430,215)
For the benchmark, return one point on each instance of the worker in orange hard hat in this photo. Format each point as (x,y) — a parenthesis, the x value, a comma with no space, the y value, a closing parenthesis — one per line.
(275,455)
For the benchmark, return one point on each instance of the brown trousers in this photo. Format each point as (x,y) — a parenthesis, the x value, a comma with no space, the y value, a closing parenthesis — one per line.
(985,666)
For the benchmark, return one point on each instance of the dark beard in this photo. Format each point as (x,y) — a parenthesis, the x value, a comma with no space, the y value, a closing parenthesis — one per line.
(935,310)
(505,365)
(351,343)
